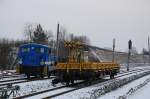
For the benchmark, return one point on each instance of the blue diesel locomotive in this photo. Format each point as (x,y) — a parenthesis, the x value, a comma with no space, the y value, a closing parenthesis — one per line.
(36,60)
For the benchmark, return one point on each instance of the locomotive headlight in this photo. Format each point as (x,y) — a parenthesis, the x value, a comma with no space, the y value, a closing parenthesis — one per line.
(20,61)
(42,62)
(47,62)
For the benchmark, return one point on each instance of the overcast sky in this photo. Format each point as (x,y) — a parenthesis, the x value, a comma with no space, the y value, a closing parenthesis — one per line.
(100,20)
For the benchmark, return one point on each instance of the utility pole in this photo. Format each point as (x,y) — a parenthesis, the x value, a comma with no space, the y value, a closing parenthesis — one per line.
(143,56)
(129,52)
(113,55)
(57,42)
(149,49)
(30,37)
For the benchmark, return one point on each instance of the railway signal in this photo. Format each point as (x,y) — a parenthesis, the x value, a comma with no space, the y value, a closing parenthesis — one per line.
(130,44)
(129,52)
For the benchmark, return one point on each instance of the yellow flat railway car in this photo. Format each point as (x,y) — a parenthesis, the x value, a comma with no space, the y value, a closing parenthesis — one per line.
(79,68)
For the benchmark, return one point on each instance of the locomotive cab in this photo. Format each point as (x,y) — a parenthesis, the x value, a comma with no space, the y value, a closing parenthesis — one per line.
(35,60)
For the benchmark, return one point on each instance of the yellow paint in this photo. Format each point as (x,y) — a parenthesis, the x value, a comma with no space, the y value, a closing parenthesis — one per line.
(74,49)
(45,70)
(88,66)
(18,69)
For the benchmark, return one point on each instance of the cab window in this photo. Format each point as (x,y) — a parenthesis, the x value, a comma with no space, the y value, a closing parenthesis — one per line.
(25,49)
(37,49)
(42,50)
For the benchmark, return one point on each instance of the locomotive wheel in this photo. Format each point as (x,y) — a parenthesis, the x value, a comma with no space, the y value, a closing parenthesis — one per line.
(28,76)
(49,75)
(41,72)
(87,83)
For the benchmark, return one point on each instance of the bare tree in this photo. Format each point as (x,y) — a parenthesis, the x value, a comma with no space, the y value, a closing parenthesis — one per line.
(28,31)
(134,50)
(82,39)
(65,36)
(5,52)
(50,38)
(35,33)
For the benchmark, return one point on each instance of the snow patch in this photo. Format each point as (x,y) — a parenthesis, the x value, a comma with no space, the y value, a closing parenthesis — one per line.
(114,85)
(132,90)
(34,86)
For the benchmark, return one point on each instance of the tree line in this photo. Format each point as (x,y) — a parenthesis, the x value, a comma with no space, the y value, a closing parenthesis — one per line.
(36,34)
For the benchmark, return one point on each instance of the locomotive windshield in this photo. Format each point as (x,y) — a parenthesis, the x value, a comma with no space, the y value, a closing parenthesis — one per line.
(25,49)
(36,49)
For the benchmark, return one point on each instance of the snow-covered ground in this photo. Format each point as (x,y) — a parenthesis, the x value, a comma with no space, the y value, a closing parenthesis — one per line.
(87,92)
(40,96)
(30,87)
(39,85)
(143,93)
(82,93)
(124,89)
(34,86)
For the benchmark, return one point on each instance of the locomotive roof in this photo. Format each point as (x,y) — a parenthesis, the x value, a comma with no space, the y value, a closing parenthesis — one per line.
(34,44)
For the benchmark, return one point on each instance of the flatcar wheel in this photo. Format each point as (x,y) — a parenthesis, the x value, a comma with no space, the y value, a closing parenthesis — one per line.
(87,82)
(72,81)
(111,76)
(42,76)
(90,82)
(67,83)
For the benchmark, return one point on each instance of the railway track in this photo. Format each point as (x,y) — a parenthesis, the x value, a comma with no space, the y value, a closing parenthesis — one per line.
(13,82)
(73,89)
(24,78)
(67,89)
(41,92)
(133,71)
(63,89)
(20,81)
(9,80)
(17,75)
(10,76)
